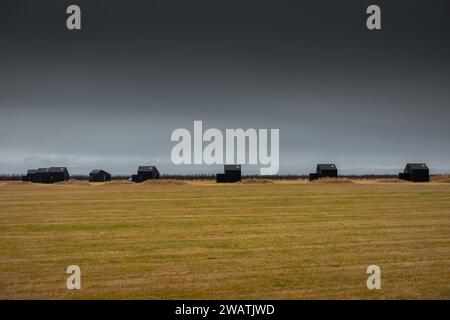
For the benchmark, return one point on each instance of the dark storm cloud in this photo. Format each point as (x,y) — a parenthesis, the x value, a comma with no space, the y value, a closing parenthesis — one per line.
(111,94)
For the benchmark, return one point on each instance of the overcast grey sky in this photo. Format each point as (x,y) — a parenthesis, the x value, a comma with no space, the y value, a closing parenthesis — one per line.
(110,95)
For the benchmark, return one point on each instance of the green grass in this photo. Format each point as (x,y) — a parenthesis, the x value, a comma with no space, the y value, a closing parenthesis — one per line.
(284,240)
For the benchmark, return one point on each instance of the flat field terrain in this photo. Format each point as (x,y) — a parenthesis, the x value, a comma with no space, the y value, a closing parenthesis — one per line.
(202,240)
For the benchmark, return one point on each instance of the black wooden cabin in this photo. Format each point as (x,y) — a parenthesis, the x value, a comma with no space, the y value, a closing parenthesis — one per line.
(58,174)
(232,173)
(145,173)
(40,175)
(99,176)
(415,172)
(47,175)
(324,171)
(29,176)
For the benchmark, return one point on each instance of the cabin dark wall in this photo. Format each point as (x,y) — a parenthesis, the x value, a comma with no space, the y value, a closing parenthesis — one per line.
(232,173)
(143,175)
(225,178)
(419,175)
(99,177)
(146,176)
(415,173)
(327,173)
(56,177)
(44,175)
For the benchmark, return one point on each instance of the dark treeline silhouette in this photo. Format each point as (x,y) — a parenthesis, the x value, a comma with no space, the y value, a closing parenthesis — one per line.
(11,177)
(86,177)
(18,177)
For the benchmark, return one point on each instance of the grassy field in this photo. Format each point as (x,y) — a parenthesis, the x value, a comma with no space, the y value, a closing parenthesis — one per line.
(201,240)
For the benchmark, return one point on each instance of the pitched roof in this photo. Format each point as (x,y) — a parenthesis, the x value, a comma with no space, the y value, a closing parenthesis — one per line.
(146,168)
(326,166)
(57,169)
(232,167)
(417,166)
(97,171)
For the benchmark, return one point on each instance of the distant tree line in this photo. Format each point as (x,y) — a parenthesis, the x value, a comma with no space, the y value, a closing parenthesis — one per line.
(18,177)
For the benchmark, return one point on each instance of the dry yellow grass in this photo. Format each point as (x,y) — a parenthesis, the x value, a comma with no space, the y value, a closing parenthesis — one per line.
(391,180)
(445,178)
(332,181)
(256,181)
(292,240)
(164,182)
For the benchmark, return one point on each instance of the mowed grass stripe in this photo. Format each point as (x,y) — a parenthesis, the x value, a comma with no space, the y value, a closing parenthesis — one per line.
(202,240)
